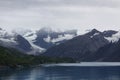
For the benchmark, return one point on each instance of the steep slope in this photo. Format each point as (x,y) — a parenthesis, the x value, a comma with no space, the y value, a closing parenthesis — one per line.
(81,46)
(23,44)
(107,53)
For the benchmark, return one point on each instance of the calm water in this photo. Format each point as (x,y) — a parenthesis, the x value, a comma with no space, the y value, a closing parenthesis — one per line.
(63,73)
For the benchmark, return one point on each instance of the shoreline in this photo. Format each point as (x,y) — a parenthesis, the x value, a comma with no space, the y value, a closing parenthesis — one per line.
(81,64)
(85,64)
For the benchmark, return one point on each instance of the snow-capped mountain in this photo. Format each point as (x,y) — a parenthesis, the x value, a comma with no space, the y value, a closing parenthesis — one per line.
(14,40)
(82,46)
(46,37)
(34,42)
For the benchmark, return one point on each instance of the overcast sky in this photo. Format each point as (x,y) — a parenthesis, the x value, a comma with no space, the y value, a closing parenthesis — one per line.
(63,14)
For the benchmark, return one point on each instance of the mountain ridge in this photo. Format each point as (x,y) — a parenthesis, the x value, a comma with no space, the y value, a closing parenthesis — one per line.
(81,46)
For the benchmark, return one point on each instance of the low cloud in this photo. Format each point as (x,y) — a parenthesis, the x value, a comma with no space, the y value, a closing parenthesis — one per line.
(64,14)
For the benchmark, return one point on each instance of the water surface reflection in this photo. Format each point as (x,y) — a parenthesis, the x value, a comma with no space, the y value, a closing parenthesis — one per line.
(63,73)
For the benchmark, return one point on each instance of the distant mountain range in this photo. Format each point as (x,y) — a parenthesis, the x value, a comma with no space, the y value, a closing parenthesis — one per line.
(35,42)
(91,46)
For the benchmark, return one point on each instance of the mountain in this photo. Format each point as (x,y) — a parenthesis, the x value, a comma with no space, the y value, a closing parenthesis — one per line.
(91,46)
(13,40)
(34,42)
(46,37)
(81,46)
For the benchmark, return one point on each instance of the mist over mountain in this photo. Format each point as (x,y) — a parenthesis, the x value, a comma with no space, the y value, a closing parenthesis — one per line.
(35,42)
(47,37)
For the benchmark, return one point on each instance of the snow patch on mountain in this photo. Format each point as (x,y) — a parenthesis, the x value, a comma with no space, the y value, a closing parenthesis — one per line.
(30,36)
(48,39)
(94,35)
(114,37)
(8,40)
(60,38)
(35,49)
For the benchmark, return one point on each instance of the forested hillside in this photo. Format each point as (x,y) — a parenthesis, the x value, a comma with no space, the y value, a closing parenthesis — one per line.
(13,58)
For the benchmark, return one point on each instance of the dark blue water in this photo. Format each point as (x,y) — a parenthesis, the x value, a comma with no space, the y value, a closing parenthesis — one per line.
(62,73)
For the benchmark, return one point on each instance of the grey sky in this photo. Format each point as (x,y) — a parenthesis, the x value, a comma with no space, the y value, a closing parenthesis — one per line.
(63,14)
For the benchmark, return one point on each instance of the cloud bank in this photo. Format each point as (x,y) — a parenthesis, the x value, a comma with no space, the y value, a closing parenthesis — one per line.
(63,14)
